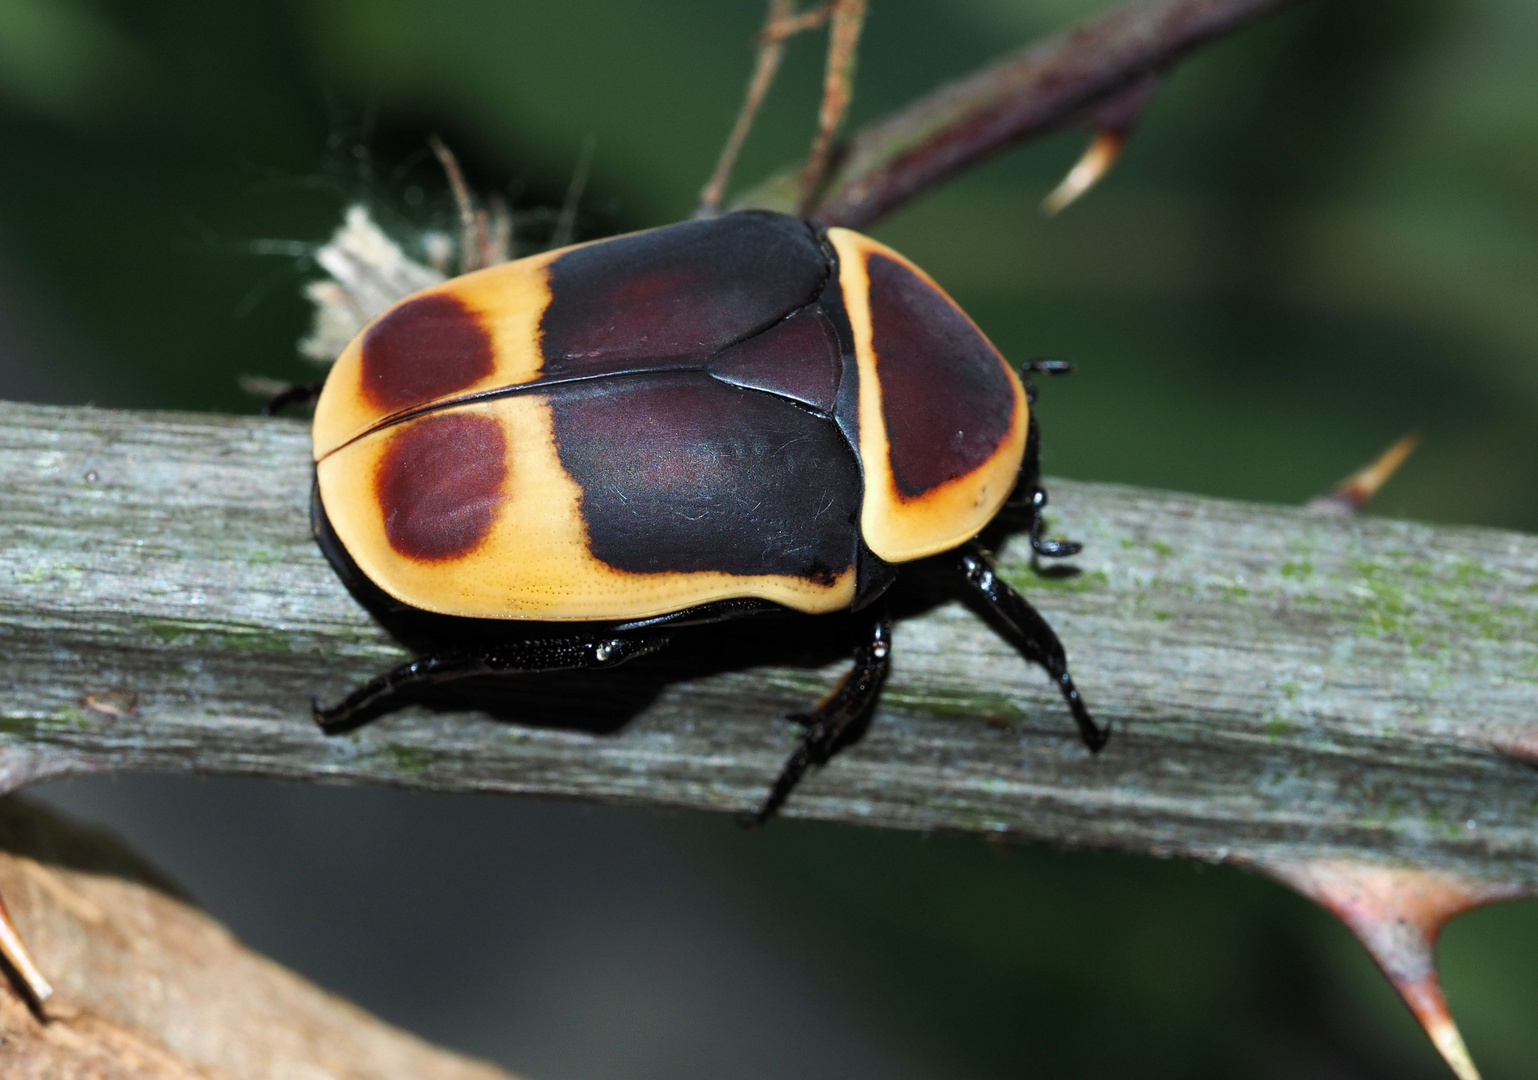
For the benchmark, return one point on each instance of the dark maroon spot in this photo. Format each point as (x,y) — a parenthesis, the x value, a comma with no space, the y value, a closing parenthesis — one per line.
(677,295)
(945,395)
(798,358)
(439,483)
(422,350)
(682,473)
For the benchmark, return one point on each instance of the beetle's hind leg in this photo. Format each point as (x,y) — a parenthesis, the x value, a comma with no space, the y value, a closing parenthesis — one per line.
(840,719)
(527,657)
(1027,631)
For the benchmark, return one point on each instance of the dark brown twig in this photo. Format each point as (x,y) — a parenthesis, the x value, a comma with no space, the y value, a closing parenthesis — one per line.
(1043,88)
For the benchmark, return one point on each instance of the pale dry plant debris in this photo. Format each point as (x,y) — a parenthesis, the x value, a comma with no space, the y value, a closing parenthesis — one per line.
(368,274)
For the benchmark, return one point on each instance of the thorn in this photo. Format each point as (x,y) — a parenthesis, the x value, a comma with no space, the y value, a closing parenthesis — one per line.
(1354,492)
(1097,160)
(1521,744)
(1112,121)
(21,961)
(1397,913)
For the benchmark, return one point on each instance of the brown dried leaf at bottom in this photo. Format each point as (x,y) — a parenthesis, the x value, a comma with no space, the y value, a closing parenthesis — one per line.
(148,986)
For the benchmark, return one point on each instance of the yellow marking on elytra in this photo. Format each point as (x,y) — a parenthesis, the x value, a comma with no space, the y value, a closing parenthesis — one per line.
(508,301)
(536,562)
(897,527)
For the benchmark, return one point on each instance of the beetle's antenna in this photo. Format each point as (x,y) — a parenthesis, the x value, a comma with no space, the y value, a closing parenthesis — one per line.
(1041,367)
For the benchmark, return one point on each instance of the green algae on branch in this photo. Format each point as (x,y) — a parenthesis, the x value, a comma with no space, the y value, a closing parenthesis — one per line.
(412,760)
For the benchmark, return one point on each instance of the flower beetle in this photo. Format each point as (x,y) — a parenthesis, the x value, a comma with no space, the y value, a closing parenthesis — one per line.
(715,420)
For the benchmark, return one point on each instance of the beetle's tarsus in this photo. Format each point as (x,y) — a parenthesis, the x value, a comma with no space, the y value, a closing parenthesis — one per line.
(1029,496)
(1047,549)
(1031,634)
(839,720)
(1055,549)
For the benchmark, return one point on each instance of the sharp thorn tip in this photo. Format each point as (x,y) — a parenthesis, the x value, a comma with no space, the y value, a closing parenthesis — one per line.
(1096,161)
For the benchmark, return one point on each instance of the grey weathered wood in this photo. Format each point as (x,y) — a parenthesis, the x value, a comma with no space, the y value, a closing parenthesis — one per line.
(1281,685)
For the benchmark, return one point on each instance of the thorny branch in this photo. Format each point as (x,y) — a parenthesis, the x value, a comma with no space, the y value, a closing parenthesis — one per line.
(1043,88)
(1327,696)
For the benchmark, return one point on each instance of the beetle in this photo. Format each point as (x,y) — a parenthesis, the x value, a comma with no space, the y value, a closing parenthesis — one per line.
(719,419)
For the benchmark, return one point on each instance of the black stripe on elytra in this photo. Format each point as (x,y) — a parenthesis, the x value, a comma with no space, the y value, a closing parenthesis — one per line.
(683,292)
(682,473)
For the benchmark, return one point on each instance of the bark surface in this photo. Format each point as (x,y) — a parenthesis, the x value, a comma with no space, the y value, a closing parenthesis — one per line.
(1283,687)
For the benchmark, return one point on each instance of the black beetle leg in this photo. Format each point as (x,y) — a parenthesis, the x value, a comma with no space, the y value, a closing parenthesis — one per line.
(1028,632)
(298,394)
(840,719)
(510,658)
(1029,495)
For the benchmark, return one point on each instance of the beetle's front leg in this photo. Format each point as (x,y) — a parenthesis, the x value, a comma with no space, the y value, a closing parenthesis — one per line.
(840,719)
(1029,496)
(529,657)
(1027,631)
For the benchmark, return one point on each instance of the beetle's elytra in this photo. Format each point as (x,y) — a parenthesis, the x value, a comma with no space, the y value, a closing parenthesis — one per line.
(718,419)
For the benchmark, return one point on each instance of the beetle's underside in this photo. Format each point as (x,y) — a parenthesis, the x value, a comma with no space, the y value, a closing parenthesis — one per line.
(715,420)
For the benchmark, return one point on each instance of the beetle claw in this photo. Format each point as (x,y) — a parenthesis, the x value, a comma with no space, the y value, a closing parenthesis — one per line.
(1055,549)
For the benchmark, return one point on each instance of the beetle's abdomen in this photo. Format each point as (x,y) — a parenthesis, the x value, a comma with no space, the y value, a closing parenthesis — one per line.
(942,416)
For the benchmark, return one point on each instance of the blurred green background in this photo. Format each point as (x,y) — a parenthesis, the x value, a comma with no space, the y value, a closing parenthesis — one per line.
(1324,234)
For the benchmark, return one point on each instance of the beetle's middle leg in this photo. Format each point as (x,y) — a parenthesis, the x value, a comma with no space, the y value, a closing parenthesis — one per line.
(840,719)
(528,657)
(1028,632)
